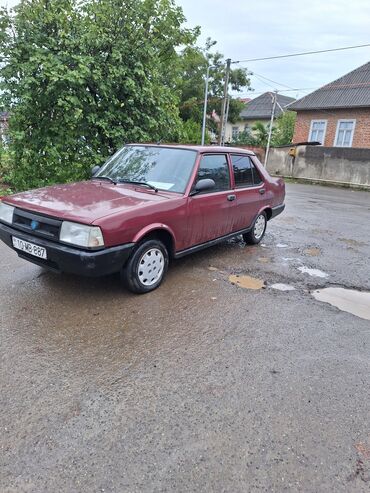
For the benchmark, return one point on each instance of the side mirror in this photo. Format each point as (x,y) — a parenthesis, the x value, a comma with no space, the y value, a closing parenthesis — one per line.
(204,185)
(95,169)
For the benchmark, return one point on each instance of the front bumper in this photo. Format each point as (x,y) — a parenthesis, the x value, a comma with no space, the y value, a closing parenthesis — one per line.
(64,258)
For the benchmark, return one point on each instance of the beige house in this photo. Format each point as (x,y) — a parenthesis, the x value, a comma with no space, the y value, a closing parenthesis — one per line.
(256,110)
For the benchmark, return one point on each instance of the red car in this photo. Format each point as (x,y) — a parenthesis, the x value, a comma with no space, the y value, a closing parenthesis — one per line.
(145,205)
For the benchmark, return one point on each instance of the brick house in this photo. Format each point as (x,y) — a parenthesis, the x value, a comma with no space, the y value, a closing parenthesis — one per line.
(256,110)
(337,114)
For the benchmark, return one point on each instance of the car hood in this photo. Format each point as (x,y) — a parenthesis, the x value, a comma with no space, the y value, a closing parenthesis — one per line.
(87,201)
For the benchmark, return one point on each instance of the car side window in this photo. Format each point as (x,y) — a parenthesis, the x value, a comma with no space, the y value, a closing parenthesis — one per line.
(215,167)
(245,173)
(257,180)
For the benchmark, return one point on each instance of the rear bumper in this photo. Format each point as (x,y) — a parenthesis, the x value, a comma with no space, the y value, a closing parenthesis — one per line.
(277,210)
(63,258)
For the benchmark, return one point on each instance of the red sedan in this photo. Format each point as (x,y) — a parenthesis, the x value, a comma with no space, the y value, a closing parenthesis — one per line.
(145,205)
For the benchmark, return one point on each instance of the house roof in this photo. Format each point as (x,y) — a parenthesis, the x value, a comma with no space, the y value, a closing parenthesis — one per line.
(350,91)
(261,107)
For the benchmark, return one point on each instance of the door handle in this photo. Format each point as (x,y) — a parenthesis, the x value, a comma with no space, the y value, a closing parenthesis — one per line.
(230,198)
(262,191)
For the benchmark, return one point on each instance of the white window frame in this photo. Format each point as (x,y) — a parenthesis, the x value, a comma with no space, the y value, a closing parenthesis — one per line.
(346,120)
(324,134)
(235,128)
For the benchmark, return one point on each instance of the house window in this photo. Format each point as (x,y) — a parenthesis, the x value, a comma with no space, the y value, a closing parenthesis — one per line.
(235,133)
(318,130)
(345,131)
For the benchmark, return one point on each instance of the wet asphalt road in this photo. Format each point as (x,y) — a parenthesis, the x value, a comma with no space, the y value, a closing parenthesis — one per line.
(201,385)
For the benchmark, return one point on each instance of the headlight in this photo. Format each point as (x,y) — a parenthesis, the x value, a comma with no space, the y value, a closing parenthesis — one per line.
(6,213)
(81,235)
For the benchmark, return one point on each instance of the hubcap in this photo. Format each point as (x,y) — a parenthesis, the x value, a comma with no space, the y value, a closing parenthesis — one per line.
(259,226)
(151,267)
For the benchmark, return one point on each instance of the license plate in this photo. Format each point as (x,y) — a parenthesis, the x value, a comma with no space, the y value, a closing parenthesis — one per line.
(28,247)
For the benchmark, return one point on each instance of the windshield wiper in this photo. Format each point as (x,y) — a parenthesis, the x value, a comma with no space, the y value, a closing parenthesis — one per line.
(104,178)
(134,182)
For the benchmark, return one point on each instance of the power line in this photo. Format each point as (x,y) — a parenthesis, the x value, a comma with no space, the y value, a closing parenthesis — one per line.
(259,76)
(301,53)
(258,93)
(355,85)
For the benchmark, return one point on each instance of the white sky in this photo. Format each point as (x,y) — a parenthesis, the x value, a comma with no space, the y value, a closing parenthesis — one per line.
(258,28)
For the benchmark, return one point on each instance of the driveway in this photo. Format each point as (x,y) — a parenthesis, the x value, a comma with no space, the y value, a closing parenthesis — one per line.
(202,385)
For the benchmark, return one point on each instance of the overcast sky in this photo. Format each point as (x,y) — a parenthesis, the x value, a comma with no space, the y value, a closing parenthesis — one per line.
(249,29)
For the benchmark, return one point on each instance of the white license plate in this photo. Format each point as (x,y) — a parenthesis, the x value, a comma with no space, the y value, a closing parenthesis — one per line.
(28,247)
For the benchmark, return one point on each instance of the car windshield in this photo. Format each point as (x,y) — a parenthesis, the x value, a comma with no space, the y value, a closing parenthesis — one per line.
(164,168)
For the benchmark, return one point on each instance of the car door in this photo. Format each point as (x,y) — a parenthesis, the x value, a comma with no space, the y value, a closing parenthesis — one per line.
(210,213)
(249,190)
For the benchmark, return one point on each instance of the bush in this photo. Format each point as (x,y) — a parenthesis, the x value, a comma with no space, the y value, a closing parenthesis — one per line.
(192,133)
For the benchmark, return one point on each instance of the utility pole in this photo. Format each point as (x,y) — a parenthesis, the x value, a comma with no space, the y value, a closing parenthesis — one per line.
(205,107)
(274,99)
(223,109)
(226,119)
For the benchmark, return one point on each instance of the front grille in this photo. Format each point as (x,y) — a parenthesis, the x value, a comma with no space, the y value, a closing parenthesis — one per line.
(37,224)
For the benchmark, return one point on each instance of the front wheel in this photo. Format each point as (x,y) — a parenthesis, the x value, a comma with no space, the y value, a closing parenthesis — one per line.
(146,267)
(255,235)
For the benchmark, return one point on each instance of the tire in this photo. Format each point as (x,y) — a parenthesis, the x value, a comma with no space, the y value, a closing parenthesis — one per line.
(255,235)
(146,268)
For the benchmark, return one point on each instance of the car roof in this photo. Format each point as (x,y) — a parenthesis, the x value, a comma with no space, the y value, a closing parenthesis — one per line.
(199,148)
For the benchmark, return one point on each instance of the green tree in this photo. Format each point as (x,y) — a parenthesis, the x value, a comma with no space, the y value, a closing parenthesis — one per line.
(194,61)
(284,128)
(192,133)
(245,138)
(81,77)
(260,134)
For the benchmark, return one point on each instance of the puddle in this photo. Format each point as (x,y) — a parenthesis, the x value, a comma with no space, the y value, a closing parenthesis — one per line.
(247,282)
(282,287)
(312,252)
(313,272)
(281,245)
(347,300)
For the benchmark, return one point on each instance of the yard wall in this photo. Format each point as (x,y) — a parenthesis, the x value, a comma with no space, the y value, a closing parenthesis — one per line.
(349,166)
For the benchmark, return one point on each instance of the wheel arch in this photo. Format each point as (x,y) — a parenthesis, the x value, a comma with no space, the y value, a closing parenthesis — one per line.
(268,212)
(160,232)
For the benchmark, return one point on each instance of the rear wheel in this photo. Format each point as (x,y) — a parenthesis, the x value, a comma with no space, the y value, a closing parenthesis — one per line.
(146,267)
(257,232)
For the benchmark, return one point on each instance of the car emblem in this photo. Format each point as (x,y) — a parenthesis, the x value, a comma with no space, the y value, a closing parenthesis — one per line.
(34,225)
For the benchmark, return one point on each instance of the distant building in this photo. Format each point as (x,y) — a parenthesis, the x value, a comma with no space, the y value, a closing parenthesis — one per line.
(256,110)
(338,114)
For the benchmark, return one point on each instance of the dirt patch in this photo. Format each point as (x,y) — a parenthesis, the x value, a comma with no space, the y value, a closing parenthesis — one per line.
(312,251)
(247,282)
(351,242)
(264,260)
